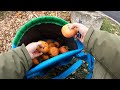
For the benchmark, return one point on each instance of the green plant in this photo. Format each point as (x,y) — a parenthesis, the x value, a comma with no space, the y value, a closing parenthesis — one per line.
(110,27)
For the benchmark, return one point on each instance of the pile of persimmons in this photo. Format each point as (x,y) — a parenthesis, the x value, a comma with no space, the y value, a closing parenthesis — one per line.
(51,49)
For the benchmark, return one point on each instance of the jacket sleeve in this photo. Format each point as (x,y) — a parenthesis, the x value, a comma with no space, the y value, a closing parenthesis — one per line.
(15,63)
(105,47)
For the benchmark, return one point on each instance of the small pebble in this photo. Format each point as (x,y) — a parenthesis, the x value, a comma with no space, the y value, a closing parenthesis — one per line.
(1,43)
(85,70)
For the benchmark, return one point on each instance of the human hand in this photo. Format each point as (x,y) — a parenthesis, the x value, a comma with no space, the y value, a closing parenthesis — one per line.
(81,28)
(32,49)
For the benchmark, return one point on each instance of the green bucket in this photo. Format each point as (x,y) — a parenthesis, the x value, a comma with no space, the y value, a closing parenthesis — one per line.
(41,28)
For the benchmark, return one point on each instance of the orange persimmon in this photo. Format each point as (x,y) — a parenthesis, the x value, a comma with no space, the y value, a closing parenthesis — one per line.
(44,47)
(67,32)
(53,51)
(63,49)
(35,61)
(44,57)
(56,44)
(51,45)
(49,41)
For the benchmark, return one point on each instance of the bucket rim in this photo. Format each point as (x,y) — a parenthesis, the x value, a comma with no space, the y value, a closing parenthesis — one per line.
(33,22)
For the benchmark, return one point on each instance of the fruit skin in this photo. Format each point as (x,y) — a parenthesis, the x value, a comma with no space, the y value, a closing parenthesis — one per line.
(57,44)
(67,32)
(49,41)
(51,45)
(53,51)
(63,49)
(35,61)
(44,47)
(44,57)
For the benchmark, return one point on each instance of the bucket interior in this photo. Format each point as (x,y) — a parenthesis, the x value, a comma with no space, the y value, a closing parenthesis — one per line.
(46,31)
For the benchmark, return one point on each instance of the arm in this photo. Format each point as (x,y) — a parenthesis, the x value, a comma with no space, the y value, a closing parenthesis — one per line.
(105,47)
(15,63)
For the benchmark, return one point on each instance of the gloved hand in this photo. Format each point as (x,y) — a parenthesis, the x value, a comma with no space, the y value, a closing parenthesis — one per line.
(81,28)
(32,49)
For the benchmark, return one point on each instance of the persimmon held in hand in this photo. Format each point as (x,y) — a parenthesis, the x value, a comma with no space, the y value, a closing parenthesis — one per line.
(67,32)
(53,51)
(44,47)
(56,44)
(63,49)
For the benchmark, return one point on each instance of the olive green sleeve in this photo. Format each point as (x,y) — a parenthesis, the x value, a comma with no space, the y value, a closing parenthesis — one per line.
(15,63)
(105,47)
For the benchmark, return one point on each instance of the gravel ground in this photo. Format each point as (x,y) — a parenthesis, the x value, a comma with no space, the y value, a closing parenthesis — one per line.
(11,21)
